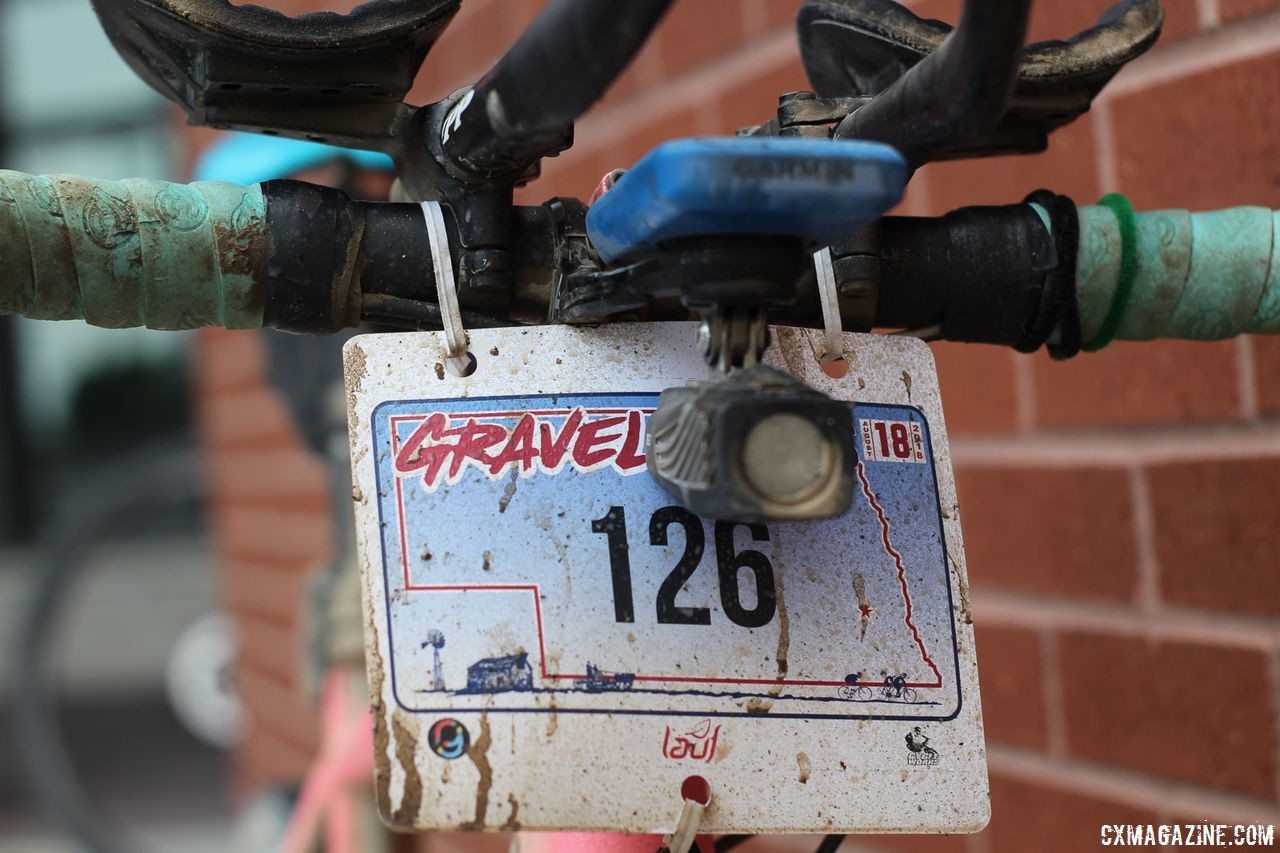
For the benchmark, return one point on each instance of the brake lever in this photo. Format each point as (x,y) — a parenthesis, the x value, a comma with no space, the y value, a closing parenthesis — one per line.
(325,77)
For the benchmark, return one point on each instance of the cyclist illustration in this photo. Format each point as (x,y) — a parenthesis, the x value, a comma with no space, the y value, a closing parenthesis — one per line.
(895,687)
(853,690)
(918,742)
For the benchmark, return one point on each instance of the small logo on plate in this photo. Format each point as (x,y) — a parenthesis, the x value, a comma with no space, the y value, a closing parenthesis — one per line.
(919,753)
(449,738)
(696,744)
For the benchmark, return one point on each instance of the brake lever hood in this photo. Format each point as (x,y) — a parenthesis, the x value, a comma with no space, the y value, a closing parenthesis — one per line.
(855,48)
(321,76)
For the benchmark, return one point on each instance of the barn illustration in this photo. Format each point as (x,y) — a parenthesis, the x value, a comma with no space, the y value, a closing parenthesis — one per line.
(493,675)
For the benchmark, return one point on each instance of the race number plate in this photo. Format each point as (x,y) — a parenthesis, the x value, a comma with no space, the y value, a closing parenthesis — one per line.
(554,643)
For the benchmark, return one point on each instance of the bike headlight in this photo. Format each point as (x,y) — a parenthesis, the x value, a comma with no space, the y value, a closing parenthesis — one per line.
(757,445)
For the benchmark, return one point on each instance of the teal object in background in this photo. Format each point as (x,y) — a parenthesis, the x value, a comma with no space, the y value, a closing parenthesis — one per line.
(246,158)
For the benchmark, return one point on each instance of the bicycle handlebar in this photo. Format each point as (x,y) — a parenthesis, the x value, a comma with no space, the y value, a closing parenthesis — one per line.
(131,253)
(1197,276)
(172,256)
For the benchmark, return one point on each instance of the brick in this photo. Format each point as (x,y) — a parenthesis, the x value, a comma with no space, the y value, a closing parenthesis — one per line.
(694,34)
(282,478)
(269,593)
(978,389)
(574,174)
(270,648)
(1203,141)
(780,14)
(671,125)
(1216,524)
(1069,166)
(1234,10)
(467,47)
(227,360)
(1139,383)
(254,418)
(1055,531)
(1013,708)
(272,536)
(276,707)
(263,760)
(643,72)
(1199,714)
(1266,362)
(947,11)
(1057,820)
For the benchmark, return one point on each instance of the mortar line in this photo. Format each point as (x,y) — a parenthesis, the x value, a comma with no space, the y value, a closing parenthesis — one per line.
(1107,165)
(1132,788)
(1210,16)
(1247,378)
(1018,610)
(1273,671)
(1054,695)
(1024,390)
(1120,447)
(1144,535)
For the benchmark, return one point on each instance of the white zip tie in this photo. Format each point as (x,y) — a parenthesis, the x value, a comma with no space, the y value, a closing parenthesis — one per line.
(458,361)
(830,298)
(695,795)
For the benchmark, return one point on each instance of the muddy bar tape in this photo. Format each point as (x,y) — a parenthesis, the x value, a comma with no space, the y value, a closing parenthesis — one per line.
(1196,276)
(130,253)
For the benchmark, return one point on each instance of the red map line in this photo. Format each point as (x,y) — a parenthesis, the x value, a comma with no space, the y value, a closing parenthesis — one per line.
(409,586)
(902,570)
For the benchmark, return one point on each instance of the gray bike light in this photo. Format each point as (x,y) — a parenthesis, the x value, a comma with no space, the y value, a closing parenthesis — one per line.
(756,445)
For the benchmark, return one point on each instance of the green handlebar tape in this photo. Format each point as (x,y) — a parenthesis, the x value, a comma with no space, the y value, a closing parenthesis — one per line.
(1196,276)
(132,252)
(1127,223)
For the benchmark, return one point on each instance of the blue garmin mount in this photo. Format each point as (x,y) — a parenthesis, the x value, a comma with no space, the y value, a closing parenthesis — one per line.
(816,190)
(729,226)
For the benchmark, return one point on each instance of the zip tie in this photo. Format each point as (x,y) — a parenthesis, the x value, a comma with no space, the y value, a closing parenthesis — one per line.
(830,298)
(458,360)
(1123,210)
(696,795)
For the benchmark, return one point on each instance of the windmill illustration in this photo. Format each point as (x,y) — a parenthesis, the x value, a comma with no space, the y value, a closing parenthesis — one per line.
(435,639)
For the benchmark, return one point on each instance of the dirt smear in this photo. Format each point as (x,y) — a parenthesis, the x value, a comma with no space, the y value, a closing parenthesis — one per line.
(806,767)
(513,822)
(509,491)
(381,735)
(356,368)
(478,752)
(784,639)
(407,755)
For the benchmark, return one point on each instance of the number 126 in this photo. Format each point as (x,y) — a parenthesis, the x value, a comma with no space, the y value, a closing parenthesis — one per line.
(728,563)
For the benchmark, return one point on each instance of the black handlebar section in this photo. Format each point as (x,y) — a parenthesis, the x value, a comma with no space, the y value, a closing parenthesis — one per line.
(525,106)
(977,273)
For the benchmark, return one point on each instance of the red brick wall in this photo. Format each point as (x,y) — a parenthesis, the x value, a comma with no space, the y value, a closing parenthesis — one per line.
(1121,511)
